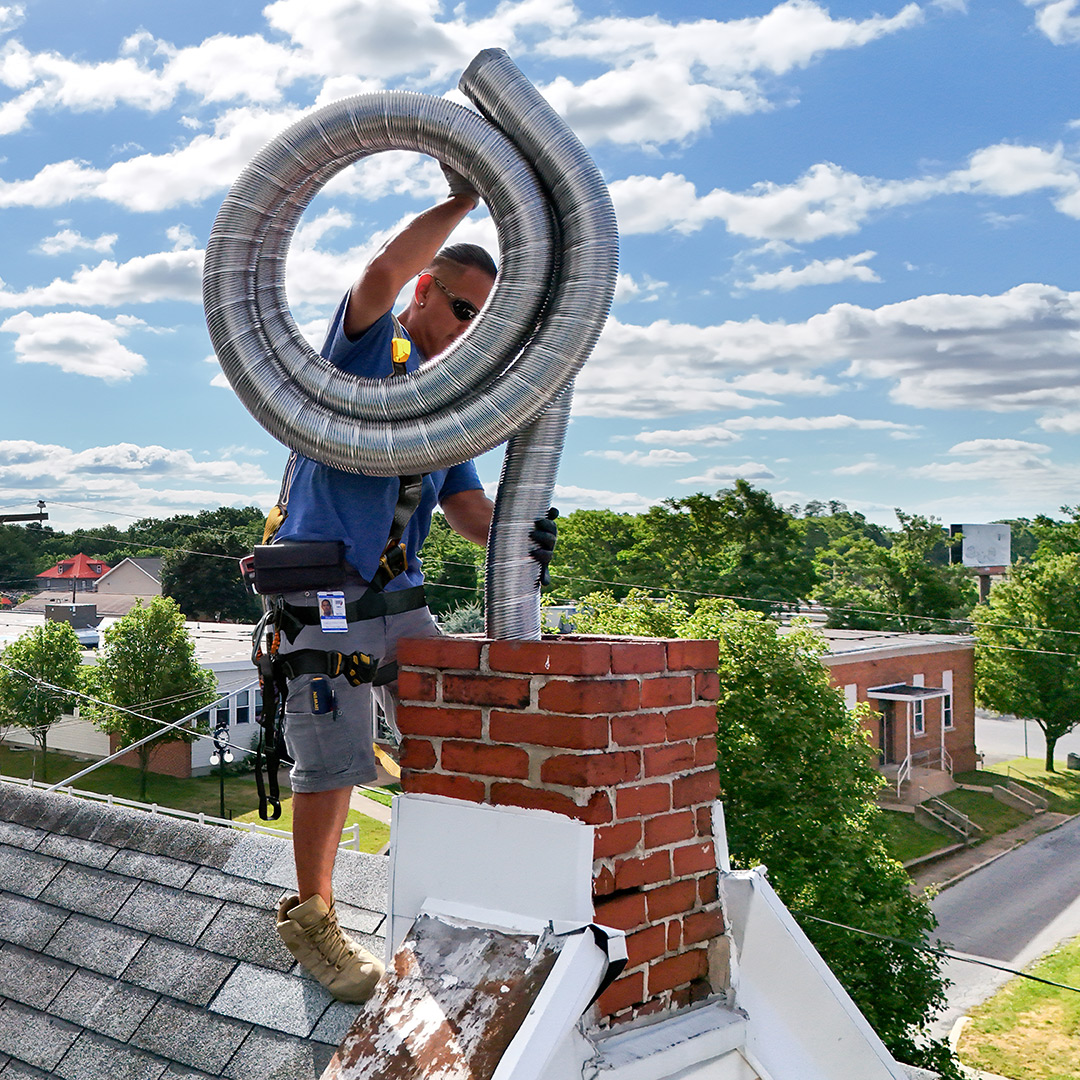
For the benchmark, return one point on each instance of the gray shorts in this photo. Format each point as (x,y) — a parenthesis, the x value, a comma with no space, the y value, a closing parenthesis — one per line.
(334,749)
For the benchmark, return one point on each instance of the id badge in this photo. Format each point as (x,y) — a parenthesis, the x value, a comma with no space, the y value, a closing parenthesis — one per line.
(332,613)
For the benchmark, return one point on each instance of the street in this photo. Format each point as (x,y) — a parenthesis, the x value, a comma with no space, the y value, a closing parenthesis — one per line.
(1000,738)
(1012,911)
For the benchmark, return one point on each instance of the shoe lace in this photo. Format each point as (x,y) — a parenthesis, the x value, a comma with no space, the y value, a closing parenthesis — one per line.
(332,942)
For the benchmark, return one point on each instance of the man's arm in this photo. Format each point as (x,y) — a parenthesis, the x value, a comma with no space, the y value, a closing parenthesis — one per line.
(400,260)
(468,513)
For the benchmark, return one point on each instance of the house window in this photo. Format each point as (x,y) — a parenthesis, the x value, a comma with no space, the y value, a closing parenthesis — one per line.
(221,719)
(920,718)
(946,711)
(243,714)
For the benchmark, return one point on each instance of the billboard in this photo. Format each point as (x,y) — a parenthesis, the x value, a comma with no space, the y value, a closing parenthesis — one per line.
(985,545)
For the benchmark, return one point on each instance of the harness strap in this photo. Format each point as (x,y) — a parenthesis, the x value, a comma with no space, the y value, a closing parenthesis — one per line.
(372,605)
(357,668)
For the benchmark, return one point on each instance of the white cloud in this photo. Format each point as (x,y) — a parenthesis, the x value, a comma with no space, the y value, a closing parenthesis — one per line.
(837,422)
(817,272)
(651,459)
(571,497)
(727,474)
(860,468)
(71,240)
(643,289)
(1057,19)
(711,435)
(76,342)
(975,447)
(11,15)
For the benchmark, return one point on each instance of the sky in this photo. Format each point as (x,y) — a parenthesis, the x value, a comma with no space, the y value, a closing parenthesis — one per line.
(848,240)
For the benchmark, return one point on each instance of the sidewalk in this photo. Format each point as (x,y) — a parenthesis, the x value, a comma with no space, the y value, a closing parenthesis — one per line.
(946,871)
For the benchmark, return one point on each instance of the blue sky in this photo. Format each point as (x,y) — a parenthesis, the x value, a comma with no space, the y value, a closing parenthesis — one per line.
(849,238)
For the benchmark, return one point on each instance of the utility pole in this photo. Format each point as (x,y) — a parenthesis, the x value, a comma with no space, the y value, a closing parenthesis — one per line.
(39,516)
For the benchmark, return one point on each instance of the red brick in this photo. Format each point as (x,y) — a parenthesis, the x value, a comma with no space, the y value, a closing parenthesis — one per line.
(440,652)
(616,839)
(708,889)
(645,945)
(698,787)
(680,996)
(691,859)
(603,882)
(669,828)
(668,760)
(703,925)
(622,993)
(642,801)
(456,723)
(603,769)
(704,820)
(597,811)
(486,690)
(417,685)
(417,754)
(597,696)
(638,729)
(648,870)
(689,723)
(674,934)
(565,732)
(705,750)
(707,685)
(551,657)
(674,899)
(455,787)
(660,692)
(684,968)
(623,912)
(688,655)
(637,657)
(485,759)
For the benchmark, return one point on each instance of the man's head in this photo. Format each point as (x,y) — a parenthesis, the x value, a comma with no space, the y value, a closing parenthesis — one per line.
(448,295)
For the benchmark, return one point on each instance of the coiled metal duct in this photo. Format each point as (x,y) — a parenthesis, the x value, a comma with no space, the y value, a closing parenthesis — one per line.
(559,258)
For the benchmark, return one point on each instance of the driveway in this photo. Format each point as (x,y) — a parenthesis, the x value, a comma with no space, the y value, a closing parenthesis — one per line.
(1000,738)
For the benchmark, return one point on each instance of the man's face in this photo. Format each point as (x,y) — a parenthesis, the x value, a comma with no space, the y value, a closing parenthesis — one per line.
(437,325)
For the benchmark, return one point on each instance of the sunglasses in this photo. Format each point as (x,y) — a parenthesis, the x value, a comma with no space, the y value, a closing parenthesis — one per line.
(464,310)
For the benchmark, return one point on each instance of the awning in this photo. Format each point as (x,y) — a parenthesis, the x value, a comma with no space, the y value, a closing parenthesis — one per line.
(906,692)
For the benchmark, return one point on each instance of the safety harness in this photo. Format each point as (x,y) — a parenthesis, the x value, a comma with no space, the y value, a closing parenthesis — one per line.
(275,668)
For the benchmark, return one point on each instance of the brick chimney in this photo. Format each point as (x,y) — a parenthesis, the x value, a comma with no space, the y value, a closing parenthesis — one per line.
(618,733)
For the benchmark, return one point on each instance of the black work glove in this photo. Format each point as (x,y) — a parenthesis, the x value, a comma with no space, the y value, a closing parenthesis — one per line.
(458,184)
(544,534)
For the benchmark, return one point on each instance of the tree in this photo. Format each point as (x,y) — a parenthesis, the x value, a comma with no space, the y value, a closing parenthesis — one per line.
(204,579)
(453,571)
(147,665)
(48,654)
(1027,653)
(798,784)
(599,549)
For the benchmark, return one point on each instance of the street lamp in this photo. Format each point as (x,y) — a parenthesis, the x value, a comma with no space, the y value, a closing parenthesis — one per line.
(219,757)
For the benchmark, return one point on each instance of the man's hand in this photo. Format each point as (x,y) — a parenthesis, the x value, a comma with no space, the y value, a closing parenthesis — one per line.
(458,184)
(544,535)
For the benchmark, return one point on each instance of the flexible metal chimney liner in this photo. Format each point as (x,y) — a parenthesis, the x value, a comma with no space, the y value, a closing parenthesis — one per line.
(558,248)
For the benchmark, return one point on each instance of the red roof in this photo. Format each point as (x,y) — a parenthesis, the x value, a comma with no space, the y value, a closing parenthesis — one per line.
(80,568)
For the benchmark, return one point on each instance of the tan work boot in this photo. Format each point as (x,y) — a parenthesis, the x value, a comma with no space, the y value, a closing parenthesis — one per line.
(311,933)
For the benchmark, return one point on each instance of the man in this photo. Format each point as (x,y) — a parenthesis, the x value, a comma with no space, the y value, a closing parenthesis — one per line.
(329,736)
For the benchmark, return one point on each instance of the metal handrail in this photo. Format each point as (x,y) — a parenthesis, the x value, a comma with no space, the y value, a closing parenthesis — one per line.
(350,833)
(903,774)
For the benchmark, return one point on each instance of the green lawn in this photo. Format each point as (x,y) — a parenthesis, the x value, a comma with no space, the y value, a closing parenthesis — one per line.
(374,835)
(907,839)
(1061,787)
(1028,1031)
(992,816)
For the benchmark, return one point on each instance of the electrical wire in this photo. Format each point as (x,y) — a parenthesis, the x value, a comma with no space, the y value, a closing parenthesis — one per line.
(948,954)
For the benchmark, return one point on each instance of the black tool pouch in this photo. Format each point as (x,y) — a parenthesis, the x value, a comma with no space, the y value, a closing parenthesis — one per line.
(316,564)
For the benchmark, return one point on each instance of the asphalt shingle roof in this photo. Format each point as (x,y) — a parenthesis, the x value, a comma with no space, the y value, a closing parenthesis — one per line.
(139,947)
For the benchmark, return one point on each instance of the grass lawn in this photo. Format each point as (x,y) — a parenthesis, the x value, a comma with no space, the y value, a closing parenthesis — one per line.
(373,834)
(992,816)
(1028,1031)
(907,839)
(1061,787)
(198,794)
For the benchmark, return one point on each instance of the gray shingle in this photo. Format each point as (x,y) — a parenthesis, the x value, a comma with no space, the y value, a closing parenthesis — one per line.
(247,933)
(182,1072)
(26,872)
(29,923)
(191,1036)
(13,799)
(271,1056)
(29,977)
(230,887)
(103,1005)
(47,812)
(34,1037)
(202,844)
(179,971)
(359,920)
(16,1070)
(89,891)
(93,1057)
(273,1000)
(159,868)
(75,849)
(97,945)
(335,1022)
(263,858)
(117,825)
(11,832)
(86,821)
(362,880)
(169,913)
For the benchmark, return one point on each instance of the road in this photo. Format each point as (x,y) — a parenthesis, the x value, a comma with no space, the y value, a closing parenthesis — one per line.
(1012,911)
(1002,738)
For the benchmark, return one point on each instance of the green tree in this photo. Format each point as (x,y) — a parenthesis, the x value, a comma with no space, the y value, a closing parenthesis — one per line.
(204,577)
(798,784)
(453,568)
(147,665)
(36,670)
(599,549)
(1027,652)
(1055,537)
